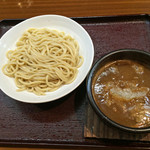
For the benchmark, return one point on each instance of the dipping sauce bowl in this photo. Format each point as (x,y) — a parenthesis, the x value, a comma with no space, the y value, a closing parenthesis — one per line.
(118,88)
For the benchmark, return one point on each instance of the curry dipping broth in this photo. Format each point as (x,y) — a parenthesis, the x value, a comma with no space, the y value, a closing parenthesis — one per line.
(121,90)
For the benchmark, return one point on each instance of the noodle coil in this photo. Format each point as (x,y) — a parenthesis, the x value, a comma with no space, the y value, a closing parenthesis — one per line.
(43,61)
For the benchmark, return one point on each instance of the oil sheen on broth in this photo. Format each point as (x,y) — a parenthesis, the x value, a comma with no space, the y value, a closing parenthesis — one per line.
(121,90)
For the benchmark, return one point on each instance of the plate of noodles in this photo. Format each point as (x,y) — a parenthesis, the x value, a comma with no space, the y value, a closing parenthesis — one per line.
(44,58)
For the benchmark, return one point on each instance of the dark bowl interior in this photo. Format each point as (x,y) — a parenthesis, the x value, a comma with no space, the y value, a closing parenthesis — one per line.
(131,54)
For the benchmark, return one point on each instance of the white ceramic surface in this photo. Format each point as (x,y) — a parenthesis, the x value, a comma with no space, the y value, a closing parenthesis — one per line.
(61,23)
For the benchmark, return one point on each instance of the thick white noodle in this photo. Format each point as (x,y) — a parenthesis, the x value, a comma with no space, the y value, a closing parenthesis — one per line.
(43,61)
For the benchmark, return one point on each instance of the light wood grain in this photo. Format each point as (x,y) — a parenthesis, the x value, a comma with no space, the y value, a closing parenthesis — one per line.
(11,9)
(14,9)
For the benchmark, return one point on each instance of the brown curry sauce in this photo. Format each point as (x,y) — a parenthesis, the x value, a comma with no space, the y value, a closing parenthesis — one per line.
(121,90)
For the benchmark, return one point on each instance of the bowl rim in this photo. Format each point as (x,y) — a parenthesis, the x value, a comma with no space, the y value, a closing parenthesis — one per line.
(91,98)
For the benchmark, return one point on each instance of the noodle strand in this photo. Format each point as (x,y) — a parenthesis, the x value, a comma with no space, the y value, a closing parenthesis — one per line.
(43,61)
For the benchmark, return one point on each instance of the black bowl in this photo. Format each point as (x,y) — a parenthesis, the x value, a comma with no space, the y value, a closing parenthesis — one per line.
(131,54)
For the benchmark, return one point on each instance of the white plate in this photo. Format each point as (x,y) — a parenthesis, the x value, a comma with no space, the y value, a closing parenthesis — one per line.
(61,23)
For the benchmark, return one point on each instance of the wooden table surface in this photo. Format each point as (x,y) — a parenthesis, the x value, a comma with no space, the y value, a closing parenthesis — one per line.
(14,9)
